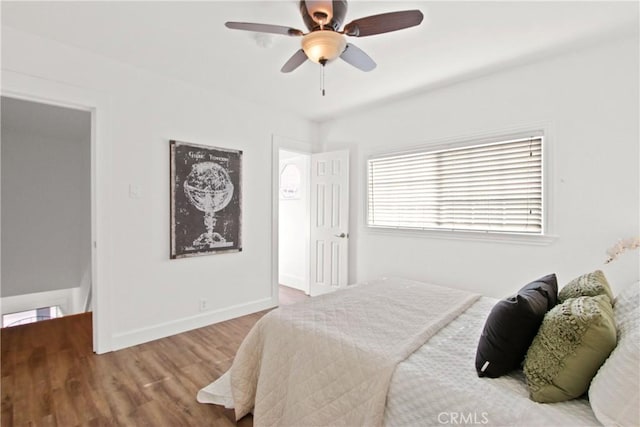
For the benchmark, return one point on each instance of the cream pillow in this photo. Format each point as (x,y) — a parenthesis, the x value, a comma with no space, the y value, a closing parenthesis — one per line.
(615,390)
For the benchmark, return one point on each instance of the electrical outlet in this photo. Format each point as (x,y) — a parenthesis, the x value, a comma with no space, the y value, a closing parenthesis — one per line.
(204,305)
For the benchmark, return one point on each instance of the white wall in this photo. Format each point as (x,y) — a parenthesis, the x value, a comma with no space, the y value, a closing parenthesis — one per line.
(294,227)
(46,209)
(151,296)
(587,102)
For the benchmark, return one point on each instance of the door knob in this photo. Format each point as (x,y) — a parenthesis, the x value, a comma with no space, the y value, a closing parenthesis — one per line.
(341,235)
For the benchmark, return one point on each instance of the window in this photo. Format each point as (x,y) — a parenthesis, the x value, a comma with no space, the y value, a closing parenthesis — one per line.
(484,187)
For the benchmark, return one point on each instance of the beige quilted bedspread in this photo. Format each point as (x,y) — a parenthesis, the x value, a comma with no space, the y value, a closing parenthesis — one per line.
(329,361)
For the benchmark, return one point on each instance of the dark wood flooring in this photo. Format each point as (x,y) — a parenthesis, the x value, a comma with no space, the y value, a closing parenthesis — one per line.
(51,377)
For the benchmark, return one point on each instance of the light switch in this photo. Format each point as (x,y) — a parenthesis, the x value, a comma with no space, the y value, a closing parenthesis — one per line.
(135,192)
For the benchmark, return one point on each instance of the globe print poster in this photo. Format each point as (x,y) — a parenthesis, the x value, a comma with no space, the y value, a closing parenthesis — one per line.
(205,199)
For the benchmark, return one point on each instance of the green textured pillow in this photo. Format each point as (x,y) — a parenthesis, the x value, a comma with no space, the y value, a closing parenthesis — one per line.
(587,285)
(574,340)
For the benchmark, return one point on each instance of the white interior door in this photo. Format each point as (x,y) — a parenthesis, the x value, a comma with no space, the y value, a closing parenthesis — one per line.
(329,221)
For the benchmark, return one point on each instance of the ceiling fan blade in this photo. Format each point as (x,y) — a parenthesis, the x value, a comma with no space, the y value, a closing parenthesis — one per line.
(383,23)
(264,28)
(355,56)
(294,62)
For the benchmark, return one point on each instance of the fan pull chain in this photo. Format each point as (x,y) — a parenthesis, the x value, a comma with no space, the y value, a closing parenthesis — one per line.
(323,62)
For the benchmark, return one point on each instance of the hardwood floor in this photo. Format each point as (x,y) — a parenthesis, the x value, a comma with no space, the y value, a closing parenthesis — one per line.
(290,295)
(51,377)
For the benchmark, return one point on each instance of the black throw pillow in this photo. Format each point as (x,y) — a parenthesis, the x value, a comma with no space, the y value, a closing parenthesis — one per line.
(512,325)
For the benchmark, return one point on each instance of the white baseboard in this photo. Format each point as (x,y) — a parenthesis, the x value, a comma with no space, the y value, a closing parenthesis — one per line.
(295,282)
(62,297)
(142,335)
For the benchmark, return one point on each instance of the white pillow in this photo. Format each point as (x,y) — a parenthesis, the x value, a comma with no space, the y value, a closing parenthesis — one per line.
(615,390)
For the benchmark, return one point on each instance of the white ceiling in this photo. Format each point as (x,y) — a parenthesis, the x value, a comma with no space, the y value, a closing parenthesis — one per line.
(188,41)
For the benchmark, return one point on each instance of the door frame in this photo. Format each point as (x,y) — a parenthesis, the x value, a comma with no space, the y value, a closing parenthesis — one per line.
(45,91)
(279,143)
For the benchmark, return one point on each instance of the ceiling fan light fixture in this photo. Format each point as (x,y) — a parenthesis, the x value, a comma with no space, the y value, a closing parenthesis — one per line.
(323,45)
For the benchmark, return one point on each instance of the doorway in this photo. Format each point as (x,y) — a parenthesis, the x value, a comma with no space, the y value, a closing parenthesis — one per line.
(47,209)
(293,220)
(325,224)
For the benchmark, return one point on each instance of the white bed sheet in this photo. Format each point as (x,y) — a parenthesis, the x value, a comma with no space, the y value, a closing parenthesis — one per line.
(438,385)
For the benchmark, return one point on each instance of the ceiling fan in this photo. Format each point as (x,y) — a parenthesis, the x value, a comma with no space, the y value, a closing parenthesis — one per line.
(325,42)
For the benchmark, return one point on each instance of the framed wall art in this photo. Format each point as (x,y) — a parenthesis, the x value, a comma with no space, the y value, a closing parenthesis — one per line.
(206,211)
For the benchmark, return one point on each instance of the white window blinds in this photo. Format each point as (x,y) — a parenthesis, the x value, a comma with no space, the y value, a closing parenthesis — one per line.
(491,187)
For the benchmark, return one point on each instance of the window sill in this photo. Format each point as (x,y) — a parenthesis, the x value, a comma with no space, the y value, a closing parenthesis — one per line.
(514,238)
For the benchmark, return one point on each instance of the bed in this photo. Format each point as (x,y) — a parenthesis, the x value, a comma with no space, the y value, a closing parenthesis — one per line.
(400,353)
